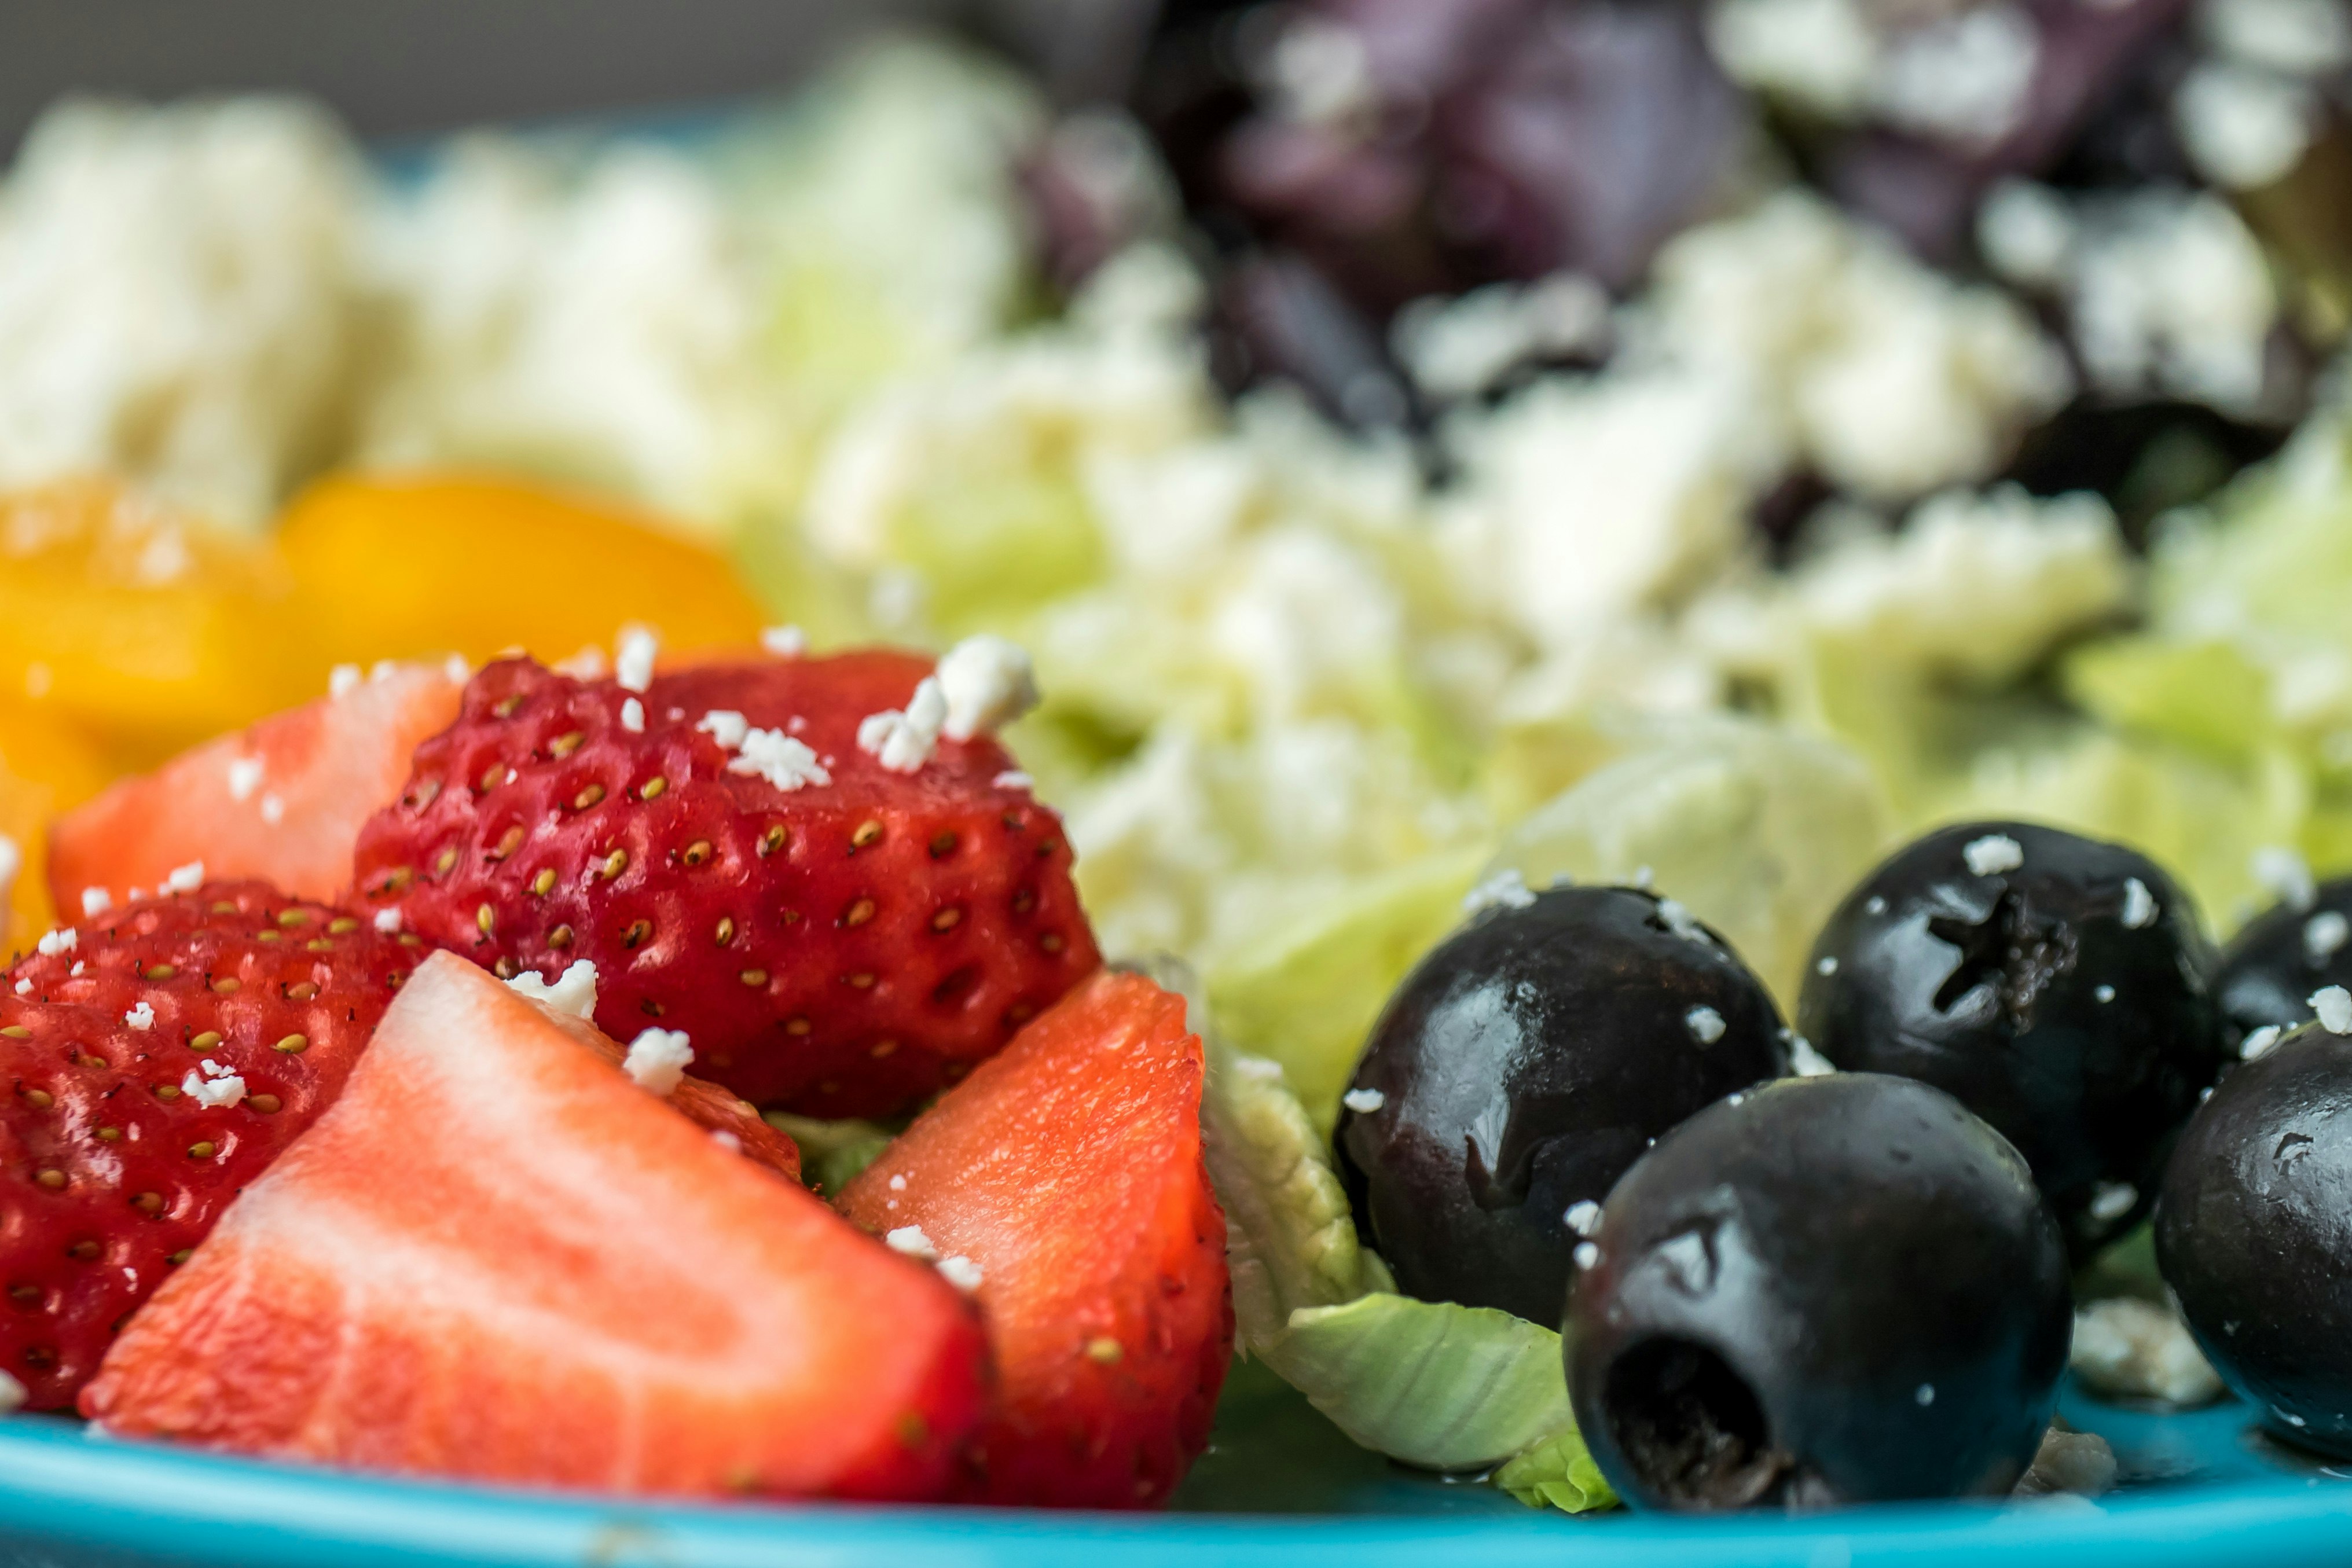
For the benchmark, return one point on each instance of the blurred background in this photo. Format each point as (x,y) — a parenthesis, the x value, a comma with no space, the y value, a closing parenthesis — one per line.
(1380,418)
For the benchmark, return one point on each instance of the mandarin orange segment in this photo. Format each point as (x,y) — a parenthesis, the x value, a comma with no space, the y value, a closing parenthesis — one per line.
(419,566)
(46,767)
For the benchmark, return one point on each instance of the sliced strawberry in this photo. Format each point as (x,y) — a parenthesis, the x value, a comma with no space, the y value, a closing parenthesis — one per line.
(282,802)
(1068,1171)
(111,1167)
(496,1257)
(843,947)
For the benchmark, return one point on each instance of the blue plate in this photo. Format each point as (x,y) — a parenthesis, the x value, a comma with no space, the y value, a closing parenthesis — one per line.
(1279,1487)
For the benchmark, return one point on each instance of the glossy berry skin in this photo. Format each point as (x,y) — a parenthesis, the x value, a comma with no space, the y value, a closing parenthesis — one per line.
(1835,1290)
(1521,1066)
(2253,1233)
(2271,968)
(841,949)
(110,1172)
(2028,992)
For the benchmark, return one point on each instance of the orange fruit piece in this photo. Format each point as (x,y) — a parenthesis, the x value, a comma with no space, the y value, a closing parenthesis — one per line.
(420,566)
(46,767)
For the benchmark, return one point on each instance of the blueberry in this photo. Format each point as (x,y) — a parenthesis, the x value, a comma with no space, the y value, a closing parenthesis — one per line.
(2253,1233)
(2271,968)
(2058,986)
(1521,1068)
(1829,1291)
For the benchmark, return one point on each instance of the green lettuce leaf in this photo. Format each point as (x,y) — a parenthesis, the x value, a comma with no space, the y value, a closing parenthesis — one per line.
(833,1153)
(1557,1473)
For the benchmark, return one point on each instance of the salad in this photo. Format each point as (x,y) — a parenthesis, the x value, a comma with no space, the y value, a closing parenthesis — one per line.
(1513,654)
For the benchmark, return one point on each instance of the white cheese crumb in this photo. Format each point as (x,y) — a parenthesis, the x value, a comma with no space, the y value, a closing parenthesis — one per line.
(784,762)
(1643,877)
(1924,1394)
(657,1059)
(727,1140)
(344,680)
(1993,853)
(64,939)
(24,987)
(785,641)
(1827,965)
(904,741)
(12,861)
(13,1394)
(587,664)
(76,971)
(1873,904)
(2241,127)
(2112,1200)
(387,920)
(1013,779)
(910,1240)
(244,776)
(1808,1062)
(216,1093)
(1705,1024)
(724,726)
(1587,1254)
(2324,935)
(633,717)
(1683,923)
(898,1183)
(1507,889)
(2257,1042)
(382,670)
(632,661)
(573,991)
(185,879)
(988,683)
(961,1272)
(2285,875)
(2334,1006)
(143,1017)
(1363,1102)
(2140,909)
(2132,1349)
(95,901)
(1583,1217)
(273,810)
(2104,993)
(455,668)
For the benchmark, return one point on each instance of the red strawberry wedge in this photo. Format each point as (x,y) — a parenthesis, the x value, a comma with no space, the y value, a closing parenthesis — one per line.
(1065,1176)
(282,801)
(153,1063)
(838,930)
(496,1257)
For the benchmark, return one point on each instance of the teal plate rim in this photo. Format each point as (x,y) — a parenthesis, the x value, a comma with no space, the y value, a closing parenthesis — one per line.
(66,1498)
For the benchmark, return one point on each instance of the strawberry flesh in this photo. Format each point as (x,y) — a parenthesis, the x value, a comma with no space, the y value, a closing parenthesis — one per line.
(497,1258)
(841,949)
(1068,1170)
(110,1171)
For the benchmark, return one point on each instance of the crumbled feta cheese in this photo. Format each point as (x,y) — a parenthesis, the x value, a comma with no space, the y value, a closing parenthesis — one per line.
(76,971)
(1706,1025)
(1992,855)
(1583,1217)
(898,1182)
(2292,37)
(988,681)
(1458,347)
(13,1394)
(24,987)
(587,664)
(1820,54)
(727,1140)
(2104,993)
(903,741)
(382,670)
(658,1059)
(184,879)
(457,669)
(573,991)
(273,810)
(1363,1102)
(724,726)
(1807,1061)
(2284,875)
(1963,76)
(2027,235)
(785,641)
(214,1093)
(783,762)
(142,1017)
(1825,966)
(961,1272)
(2243,127)
(2139,911)
(1924,1394)
(633,663)
(633,717)
(2257,1042)
(910,1240)
(244,776)
(1506,889)
(1873,904)
(1683,923)
(2136,1349)
(2112,1200)
(95,901)
(1013,779)
(2324,935)
(12,861)
(387,920)
(344,680)
(1587,1254)
(2334,1006)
